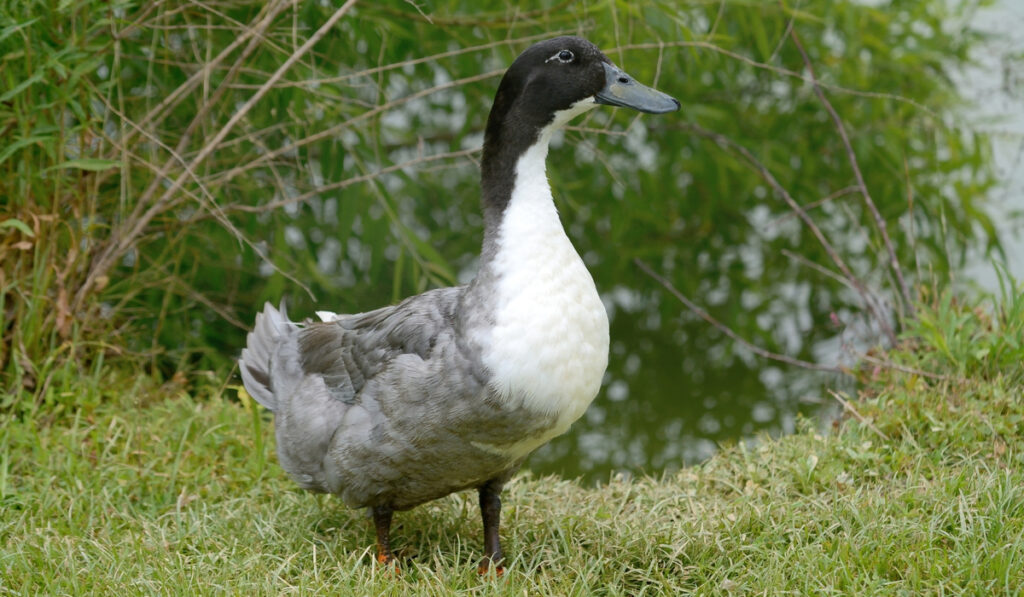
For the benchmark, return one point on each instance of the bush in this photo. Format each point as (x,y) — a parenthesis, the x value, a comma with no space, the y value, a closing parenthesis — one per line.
(161,181)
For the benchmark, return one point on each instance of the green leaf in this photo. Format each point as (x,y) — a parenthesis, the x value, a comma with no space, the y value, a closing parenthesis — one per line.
(8,31)
(21,226)
(13,147)
(90,164)
(35,78)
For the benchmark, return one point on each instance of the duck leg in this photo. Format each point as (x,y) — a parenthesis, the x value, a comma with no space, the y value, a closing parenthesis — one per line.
(490,510)
(382,523)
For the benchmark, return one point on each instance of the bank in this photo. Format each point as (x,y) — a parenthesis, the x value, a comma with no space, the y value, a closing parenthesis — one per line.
(917,489)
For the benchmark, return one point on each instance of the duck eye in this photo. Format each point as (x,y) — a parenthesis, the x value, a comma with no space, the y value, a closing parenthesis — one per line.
(566,56)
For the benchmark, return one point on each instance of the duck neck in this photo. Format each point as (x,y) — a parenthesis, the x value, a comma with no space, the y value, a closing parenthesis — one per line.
(513,167)
(505,148)
(533,315)
(519,210)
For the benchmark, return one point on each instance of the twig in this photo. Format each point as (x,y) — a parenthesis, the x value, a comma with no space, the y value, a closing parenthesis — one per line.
(821,269)
(134,226)
(204,198)
(816,204)
(852,157)
(782,39)
(778,70)
(212,208)
(905,369)
(120,241)
(257,36)
(829,273)
(137,22)
(341,184)
(171,281)
(853,411)
(718,19)
(333,131)
(412,61)
(818,234)
(173,97)
(728,331)
(482,21)
(593,131)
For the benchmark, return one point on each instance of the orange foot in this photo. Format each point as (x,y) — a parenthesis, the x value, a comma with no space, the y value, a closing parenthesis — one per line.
(485,566)
(386,559)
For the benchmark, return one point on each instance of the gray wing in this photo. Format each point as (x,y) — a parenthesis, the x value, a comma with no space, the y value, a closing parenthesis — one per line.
(350,350)
(384,401)
(390,407)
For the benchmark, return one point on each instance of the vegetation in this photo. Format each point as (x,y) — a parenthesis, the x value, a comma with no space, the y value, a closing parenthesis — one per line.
(165,167)
(919,491)
(169,166)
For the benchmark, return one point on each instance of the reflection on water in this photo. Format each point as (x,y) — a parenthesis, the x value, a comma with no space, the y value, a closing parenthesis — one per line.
(995,86)
(676,387)
(673,392)
(672,395)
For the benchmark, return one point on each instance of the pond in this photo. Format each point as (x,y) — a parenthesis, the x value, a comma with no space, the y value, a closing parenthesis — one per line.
(364,206)
(672,394)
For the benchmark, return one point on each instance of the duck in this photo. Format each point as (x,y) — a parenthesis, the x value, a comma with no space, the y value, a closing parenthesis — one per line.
(452,389)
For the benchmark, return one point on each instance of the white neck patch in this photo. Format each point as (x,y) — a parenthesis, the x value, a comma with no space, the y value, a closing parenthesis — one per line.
(548,349)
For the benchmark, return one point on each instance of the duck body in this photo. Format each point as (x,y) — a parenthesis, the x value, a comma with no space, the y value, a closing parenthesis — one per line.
(449,388)
(453,388)
(389,408)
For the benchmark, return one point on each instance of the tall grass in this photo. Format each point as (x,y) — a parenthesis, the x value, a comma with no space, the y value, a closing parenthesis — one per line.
(57,194)
(985,340)
(167,166)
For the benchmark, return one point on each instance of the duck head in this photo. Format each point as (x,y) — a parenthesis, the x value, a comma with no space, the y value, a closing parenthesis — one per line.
(553,76)
(547,85)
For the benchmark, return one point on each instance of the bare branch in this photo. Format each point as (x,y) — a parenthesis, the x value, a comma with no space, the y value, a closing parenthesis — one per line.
(852,157)
(127,233)
(808,221)
(728,331)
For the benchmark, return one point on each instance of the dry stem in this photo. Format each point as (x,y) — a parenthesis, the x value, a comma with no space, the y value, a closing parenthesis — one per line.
(727,330)
(852,157)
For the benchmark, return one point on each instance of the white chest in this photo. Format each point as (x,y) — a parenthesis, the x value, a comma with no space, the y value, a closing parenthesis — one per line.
(548,348)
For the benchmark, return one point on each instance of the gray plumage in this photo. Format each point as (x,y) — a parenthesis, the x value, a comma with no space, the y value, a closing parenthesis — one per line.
(385,407)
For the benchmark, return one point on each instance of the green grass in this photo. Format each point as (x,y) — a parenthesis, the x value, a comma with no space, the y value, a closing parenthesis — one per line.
(921,493)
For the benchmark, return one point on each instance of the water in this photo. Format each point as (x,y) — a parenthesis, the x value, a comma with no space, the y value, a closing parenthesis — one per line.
(996,90)
(674,392)
(676,388)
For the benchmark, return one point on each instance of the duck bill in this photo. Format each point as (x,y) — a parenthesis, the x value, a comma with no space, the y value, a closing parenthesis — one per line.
(620,89)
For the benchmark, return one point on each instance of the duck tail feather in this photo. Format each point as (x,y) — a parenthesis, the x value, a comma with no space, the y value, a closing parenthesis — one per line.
(272,325)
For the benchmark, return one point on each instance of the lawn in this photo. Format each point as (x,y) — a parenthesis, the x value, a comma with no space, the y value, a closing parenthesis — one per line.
(919,490)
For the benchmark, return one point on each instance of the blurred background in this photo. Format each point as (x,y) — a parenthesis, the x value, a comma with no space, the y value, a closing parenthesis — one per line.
(167,167)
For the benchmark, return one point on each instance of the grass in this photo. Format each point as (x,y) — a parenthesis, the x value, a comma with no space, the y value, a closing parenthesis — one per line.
(922,492)
(112,484)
